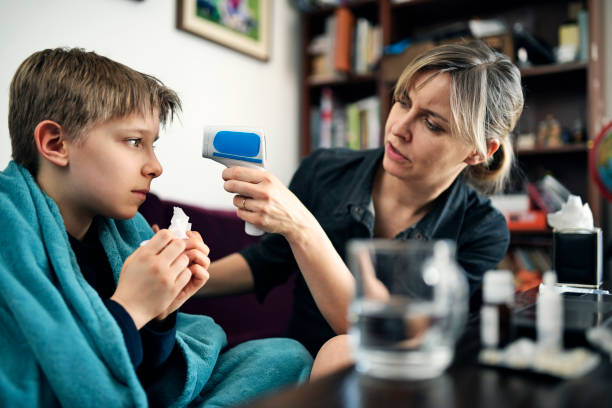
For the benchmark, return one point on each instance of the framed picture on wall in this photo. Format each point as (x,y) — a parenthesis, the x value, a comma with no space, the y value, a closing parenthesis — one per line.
(243,25)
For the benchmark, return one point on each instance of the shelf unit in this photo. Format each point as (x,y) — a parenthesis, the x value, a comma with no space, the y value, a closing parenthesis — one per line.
(568,91)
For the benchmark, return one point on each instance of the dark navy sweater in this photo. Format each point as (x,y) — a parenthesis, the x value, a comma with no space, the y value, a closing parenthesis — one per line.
(150,347)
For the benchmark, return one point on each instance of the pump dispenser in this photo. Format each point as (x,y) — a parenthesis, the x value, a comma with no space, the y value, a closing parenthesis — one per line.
(495,315)
(549,315)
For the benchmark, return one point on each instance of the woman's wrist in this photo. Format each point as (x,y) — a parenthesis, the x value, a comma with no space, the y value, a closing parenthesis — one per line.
(304,231)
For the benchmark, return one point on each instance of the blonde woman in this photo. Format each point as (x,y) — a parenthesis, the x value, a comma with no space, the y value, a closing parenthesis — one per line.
(447,140)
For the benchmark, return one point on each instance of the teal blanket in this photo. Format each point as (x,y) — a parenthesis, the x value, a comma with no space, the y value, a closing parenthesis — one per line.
(60,346)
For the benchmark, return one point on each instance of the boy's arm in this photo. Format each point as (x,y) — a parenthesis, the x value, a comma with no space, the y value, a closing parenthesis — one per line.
(228,275)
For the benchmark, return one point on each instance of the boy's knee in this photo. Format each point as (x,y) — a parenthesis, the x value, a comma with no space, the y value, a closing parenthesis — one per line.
(287,355)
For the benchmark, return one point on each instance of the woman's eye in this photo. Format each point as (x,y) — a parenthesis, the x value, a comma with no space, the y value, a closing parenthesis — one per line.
(404,103)
(432,126)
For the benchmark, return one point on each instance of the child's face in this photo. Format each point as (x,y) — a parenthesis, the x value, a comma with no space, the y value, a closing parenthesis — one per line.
(110,171)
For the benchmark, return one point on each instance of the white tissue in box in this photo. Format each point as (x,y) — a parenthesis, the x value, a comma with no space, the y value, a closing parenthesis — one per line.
(573,215)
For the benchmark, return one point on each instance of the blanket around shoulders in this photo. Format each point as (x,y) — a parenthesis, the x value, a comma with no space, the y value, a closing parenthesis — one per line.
(60,344)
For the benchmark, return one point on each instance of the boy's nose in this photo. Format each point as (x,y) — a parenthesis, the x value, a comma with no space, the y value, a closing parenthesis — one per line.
(153,167)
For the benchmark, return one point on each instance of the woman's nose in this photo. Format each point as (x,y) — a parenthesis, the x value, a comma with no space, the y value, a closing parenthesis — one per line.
(403,127)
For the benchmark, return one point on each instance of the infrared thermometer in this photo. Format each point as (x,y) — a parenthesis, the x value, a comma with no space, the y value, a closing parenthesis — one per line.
(236,146)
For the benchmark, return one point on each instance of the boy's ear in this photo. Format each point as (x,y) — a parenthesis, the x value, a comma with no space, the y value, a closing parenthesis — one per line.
(477,158)
(50,142)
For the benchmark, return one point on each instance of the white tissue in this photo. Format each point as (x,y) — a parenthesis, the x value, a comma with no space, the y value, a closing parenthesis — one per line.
(179,224)
(572,215)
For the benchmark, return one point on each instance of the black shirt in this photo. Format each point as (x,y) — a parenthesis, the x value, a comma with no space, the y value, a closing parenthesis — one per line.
(148,348)
(336,186)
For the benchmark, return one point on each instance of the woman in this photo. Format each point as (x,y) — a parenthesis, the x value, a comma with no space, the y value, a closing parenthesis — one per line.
(448,131)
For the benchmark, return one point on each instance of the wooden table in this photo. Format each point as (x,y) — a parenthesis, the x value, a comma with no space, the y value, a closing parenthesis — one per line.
(465,384)
(469,386)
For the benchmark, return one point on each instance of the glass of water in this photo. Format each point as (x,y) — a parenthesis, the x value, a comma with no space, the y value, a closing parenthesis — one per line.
(410,306)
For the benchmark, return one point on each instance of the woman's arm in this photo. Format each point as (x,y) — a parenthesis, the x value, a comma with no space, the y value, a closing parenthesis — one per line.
(265,202)
(228,275)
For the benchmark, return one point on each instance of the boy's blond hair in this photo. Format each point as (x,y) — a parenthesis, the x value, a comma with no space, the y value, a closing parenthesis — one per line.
(77,89)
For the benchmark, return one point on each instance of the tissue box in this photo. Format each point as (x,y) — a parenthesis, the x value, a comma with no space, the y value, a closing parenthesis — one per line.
(577,257)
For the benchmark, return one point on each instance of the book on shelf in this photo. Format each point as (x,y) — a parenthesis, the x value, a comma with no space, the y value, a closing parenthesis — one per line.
(519,214)
(353,133)
(343,47)
(354,125)
(510,203)
(326,118)
(532,220)
(321,50)
(548,194)
(347,45)
(583,35)
(528,259)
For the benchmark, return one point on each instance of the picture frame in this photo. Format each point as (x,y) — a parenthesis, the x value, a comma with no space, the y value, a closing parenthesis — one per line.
(243,25)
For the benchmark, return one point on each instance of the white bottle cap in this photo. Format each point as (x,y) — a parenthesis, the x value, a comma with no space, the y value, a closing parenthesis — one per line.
(549,278)
(498,286)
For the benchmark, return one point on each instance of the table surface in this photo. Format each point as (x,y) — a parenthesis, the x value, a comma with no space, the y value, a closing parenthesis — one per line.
(465,384)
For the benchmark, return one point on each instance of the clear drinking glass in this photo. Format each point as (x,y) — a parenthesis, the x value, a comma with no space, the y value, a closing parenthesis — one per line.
(410,306)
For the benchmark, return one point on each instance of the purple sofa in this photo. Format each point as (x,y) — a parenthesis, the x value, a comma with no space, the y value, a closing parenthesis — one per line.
(241,316)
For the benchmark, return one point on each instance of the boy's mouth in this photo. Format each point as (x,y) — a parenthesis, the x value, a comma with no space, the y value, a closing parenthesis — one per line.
(142,194)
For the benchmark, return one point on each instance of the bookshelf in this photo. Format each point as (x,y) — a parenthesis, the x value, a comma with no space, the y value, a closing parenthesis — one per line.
(570,92)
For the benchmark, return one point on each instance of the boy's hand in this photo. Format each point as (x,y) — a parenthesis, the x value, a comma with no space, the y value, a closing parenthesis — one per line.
(197,252)
(153,277)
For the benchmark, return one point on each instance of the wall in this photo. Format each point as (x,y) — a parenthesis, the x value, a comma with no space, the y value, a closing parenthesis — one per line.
(216,84)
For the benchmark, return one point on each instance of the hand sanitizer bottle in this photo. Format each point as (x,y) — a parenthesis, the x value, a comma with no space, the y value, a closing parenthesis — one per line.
(496,311)
(549,315)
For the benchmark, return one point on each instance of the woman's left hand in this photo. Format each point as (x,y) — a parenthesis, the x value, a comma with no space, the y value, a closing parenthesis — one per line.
(266,203)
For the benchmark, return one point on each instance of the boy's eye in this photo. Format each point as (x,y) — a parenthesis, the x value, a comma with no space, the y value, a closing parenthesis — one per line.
(135,142)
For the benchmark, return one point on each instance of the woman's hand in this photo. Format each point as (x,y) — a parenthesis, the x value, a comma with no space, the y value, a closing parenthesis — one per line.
(266,203)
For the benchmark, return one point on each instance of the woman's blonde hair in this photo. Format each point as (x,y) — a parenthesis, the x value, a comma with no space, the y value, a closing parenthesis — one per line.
(486,101)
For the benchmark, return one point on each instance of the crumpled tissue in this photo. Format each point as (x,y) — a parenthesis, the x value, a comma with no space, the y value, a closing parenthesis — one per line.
(179,224)
(573,215)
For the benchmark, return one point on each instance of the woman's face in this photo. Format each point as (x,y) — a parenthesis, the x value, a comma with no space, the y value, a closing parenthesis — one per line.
(418,143)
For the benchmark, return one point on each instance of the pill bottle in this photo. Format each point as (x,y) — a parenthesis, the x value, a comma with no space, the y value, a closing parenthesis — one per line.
(496,311)
(549,314)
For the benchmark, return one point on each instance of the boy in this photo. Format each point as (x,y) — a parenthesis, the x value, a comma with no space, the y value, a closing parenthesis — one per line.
(89,316)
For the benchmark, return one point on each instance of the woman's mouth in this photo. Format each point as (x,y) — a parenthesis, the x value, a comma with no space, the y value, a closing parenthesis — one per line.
(394,154)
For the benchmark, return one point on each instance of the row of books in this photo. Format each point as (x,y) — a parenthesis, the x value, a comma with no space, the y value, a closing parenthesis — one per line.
(348,45)
(355,125)
(527,265)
